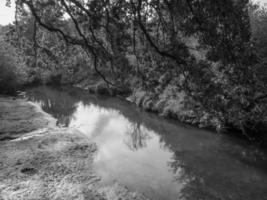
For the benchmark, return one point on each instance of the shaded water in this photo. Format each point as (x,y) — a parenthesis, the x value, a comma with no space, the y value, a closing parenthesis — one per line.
(161,158)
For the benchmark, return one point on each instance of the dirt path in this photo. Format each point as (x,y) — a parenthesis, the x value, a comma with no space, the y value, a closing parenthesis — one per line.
(45,162)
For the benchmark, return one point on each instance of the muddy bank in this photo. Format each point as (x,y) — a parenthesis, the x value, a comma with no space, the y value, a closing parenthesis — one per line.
(45,162)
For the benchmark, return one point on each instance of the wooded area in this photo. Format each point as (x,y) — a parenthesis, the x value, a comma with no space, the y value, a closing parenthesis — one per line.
(203,62)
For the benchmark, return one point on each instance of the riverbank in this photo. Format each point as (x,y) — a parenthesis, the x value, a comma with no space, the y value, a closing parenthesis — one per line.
(185,110)
(40,161)
(19,117)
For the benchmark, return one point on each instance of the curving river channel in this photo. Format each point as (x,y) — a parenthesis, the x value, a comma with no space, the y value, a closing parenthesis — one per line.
(161,158)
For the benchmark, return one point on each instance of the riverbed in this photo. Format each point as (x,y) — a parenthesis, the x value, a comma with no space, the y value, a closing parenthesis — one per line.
(160,158)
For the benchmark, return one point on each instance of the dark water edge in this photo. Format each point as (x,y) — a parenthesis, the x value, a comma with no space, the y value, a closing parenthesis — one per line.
(160,157)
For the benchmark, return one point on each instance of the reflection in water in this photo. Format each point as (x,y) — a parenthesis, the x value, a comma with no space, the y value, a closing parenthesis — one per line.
(155,156)
(138,135)
(59,104)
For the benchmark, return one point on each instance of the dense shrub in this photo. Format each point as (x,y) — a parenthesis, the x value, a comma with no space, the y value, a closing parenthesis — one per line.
(13,72)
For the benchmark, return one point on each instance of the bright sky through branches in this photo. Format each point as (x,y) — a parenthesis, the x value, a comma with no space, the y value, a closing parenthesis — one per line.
(7,14)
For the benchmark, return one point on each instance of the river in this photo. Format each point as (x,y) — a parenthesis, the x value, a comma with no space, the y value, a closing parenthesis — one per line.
(161,158)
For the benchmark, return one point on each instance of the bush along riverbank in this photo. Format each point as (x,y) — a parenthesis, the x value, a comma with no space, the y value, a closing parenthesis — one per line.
(180,108)
(184,109)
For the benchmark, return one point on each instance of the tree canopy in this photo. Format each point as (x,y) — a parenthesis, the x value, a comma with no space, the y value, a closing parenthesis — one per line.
(207,49)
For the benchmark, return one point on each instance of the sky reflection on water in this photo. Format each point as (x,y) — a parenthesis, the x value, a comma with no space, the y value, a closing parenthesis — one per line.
(160,158)
(127,151)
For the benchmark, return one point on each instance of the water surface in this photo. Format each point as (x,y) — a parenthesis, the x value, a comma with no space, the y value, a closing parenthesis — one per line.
(161,158)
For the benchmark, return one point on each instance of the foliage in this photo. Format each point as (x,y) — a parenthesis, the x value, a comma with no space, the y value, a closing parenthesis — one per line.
(210,51)
(12,67)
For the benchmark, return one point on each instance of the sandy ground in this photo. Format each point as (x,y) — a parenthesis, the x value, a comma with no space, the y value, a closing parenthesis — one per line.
(41,161)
